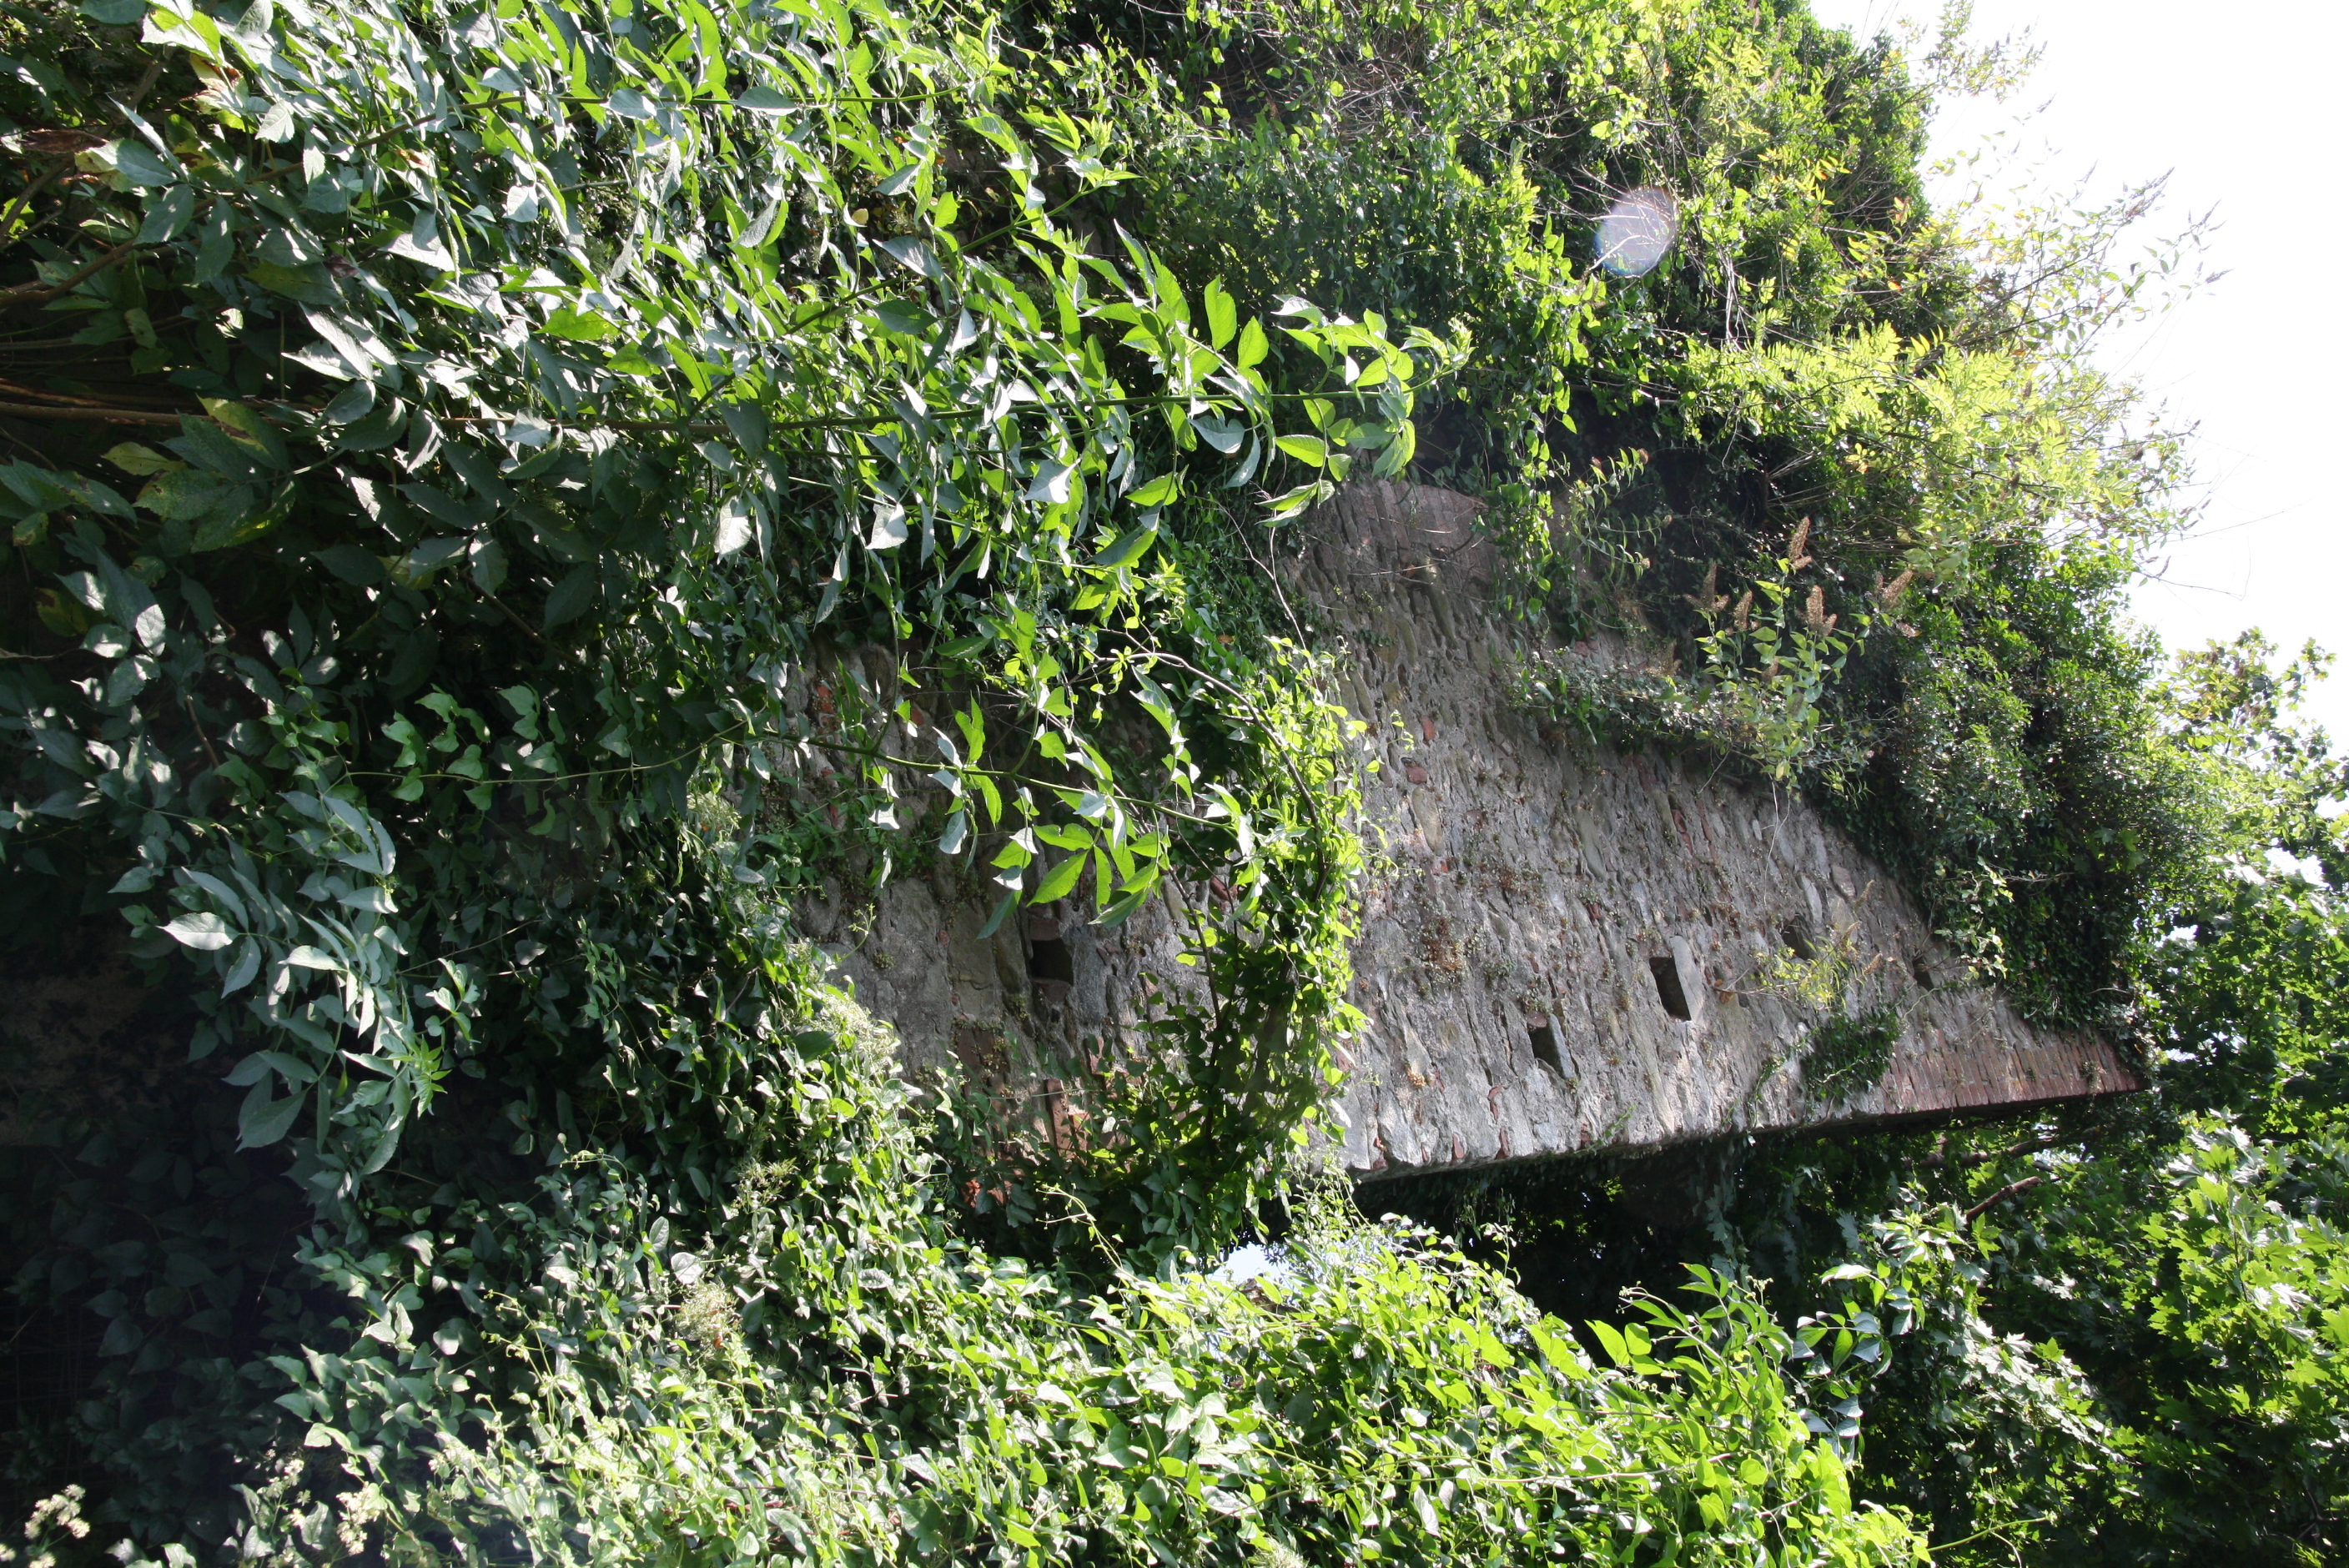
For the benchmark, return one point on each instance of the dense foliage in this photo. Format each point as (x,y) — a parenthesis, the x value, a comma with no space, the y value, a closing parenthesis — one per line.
(499,500)
(2116,1334)
(1843,460)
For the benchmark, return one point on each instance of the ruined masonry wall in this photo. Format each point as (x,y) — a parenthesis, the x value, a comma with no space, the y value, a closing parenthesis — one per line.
(1543,914)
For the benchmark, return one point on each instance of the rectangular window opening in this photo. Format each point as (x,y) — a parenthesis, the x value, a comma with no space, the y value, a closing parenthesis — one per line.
(1048,959)
(1668,986)
(1544,1040)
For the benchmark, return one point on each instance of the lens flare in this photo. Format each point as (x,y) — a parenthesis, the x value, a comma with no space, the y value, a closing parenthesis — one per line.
(1637,230)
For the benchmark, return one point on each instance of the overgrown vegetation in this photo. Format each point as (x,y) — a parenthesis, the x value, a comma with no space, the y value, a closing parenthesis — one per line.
(500,499)
(1840,464)
(2114,1330)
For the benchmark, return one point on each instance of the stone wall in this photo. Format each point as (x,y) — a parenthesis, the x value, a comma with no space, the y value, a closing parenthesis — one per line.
(1565,950)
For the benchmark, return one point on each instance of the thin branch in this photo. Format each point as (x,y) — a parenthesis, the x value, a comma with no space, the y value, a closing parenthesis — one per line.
(200,730)
(100,415)
(2012,1190)
(1939,1157)
(146,85)
(19,389)
(23,199)
(495,102)
(529,630)
(39,294)
(26,345)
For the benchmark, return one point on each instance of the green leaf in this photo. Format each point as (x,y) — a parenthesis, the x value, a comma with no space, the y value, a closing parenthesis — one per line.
(352,404)
(203,931)
(1003,907)
(571,597)
(1223,316)
(1158,491)
(489,566)
(143,166)
(308,285)
(262,1121)
(241,973)
(245,426)
(240,520)
(1253,345)
(1134,899)
(188,29)
(1051,482)
(1061,878)
(761,228)
(353,564)
(913,255)
(133,458)
(168,219)
(184,495)
(61,615)
(579,327)
(377,430)
(904,319)
(422,244)
(1127,549)
(1224,435)
(1396,456)
(1292,503)
(429,557)
(1310,450)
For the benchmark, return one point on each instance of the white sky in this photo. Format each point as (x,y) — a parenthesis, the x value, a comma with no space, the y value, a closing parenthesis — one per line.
(2237,106)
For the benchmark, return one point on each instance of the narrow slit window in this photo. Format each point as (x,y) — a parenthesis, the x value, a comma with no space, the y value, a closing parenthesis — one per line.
(1668,986)
(1798,940)
(1923,971)
(1544,1040)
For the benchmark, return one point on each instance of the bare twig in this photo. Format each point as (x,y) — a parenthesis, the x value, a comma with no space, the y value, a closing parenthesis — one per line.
(19,389)
(200,730)
(101,415)
(529,630)
(146,85)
